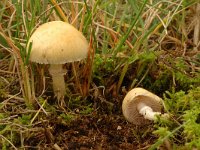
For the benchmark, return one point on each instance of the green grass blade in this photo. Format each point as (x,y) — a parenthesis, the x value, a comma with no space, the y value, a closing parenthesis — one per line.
(123,39)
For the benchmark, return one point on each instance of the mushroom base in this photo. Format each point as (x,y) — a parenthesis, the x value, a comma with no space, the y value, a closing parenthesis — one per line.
(57,74)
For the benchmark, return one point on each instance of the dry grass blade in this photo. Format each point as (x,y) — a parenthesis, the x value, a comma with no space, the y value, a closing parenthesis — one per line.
(196,36)
(13,146)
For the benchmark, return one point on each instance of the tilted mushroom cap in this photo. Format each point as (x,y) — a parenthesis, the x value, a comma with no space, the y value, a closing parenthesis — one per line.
(131,101)
(57,42)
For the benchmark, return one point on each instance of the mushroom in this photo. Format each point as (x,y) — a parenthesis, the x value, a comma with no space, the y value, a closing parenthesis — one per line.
(141,106)
(57,43)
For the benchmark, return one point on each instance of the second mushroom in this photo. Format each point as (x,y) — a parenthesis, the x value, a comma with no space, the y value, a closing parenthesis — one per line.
(141,106)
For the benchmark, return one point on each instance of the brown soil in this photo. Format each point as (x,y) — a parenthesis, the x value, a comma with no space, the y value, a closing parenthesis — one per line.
(92,132)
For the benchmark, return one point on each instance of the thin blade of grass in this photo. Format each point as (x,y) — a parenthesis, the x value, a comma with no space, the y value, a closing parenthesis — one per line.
(121,42)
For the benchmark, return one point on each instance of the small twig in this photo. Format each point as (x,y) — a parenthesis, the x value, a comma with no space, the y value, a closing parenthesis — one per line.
(15,97)
(44,87)
(41,108)
(12,97)
(8,118)
(197,27)
(56,147)
(76,78)
(103,100)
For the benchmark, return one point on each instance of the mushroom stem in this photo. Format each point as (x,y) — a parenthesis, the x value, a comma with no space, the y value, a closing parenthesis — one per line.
(147,111)
(57,74)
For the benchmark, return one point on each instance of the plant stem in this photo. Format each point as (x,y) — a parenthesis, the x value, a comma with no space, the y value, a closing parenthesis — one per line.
(59,11)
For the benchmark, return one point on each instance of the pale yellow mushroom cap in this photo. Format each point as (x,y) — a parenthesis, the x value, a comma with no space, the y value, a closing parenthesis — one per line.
(131,100)
(57,42)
